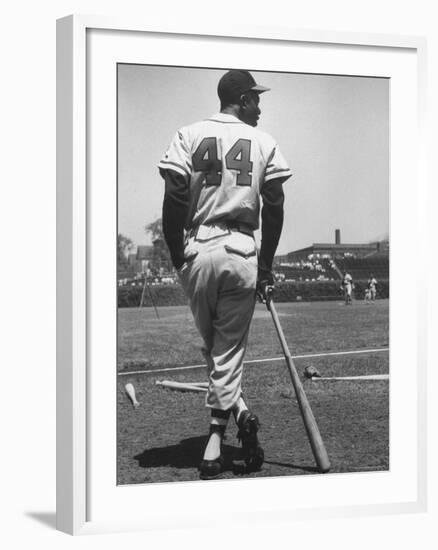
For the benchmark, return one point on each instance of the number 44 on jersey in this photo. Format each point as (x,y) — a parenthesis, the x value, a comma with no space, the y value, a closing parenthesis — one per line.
(206,159)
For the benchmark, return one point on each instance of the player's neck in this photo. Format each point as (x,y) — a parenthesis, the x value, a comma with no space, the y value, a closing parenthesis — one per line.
(231,110)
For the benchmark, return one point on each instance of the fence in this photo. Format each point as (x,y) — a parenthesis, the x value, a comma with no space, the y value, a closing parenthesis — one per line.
(173,295)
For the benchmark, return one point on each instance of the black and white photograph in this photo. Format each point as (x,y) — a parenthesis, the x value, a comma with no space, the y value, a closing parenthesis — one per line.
(252,274)
(219,300)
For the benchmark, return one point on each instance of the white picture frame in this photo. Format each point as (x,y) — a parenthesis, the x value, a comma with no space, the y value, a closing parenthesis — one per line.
(75,215)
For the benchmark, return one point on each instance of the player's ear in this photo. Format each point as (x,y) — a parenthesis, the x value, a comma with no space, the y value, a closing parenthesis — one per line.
(244,100)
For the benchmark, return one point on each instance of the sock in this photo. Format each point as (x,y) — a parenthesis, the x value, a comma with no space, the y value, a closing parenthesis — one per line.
(238,408)
(213,449)
(218,424)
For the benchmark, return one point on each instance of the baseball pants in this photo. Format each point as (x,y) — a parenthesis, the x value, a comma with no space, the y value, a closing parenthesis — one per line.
(219,278)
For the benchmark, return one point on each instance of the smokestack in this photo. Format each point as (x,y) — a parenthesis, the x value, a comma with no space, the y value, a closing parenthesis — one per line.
(337,236)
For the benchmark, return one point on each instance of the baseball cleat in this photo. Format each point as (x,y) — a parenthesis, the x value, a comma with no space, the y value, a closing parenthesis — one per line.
(211,469)
(252,452)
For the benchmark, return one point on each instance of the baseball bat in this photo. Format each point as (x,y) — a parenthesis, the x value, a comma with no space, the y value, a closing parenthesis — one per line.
(182,386)
(130,390)
(315,439)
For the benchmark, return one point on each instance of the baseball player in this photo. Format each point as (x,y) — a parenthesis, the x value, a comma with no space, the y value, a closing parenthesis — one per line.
(367,295)
(215,172)
(347,285)
(372,284)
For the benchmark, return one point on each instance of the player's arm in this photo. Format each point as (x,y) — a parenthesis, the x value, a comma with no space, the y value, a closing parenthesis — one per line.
(175,209)
(276,173)
(272,224)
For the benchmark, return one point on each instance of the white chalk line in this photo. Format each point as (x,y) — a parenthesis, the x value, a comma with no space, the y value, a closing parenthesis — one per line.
(253,361)
(201,387)
(358,377)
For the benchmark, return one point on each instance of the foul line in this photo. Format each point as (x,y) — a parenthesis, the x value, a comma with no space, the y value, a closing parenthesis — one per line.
(306,356)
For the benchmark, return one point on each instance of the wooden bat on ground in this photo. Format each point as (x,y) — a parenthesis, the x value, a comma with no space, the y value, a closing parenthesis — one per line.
(182,386)
(316,442)
(130,391)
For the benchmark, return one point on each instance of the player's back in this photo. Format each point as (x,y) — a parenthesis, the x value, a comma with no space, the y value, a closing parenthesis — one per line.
(226,162)
(229,161)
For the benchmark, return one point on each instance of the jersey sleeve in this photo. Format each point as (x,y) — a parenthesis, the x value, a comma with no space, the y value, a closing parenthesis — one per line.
(277,166)
(177,157)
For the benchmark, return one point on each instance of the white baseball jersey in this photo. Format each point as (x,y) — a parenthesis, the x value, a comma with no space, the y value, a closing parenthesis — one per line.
(226,162)
(372,283)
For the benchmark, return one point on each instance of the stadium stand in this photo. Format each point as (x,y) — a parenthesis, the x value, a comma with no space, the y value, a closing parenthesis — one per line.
(361,268)
(314,269)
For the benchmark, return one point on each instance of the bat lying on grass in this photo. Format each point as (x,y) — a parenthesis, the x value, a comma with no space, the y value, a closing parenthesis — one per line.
(130,391)
(181,386)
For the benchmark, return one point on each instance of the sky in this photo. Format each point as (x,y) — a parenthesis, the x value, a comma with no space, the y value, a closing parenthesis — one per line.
(332,130)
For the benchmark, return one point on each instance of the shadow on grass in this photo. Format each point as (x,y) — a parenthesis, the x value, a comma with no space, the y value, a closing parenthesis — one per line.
(186,454)
(311,469)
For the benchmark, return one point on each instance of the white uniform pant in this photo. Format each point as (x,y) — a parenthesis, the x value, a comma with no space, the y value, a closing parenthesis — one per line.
(347,290)
(219,278)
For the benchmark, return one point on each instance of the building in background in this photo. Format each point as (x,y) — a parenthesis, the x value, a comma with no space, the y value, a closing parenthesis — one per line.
(326,261)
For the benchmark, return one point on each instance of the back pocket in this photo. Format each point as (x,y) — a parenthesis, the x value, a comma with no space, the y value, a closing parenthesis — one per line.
(244,253)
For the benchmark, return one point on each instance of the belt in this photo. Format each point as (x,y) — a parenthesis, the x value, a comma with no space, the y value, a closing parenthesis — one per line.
(205,232)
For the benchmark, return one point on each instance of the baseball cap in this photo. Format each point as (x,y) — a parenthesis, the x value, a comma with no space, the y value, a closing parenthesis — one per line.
(236,82)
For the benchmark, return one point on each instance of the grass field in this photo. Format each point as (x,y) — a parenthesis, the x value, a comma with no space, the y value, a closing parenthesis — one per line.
(163,439)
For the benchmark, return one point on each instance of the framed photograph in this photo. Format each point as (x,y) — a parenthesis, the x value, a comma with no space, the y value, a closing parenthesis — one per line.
(248,136)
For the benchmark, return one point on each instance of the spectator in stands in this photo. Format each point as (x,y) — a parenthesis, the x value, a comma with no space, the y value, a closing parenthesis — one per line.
(347,287)
(372,284)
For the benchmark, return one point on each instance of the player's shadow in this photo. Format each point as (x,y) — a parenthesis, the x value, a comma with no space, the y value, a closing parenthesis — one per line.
(186,454)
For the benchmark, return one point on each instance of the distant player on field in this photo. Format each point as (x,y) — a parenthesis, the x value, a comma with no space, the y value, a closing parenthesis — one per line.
(372,285)
(347,286)
(367,295)
(215,172)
